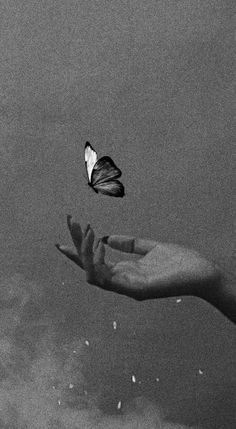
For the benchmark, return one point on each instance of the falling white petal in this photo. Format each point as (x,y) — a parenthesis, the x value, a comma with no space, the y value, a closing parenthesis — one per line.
(74,351)
(85,392)
(114,325)
(71,386)
(133,379)
(157,379)
(87,342)
(200,371)
(178,300)
(54,387)
(59,402)
(119,405)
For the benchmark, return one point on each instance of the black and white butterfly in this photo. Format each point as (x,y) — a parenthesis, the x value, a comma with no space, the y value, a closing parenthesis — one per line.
(102,173)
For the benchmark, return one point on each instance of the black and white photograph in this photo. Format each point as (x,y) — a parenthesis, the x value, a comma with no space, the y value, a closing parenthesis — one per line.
(117,219)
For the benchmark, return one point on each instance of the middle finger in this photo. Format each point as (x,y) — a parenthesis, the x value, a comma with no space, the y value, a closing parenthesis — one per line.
(87,250)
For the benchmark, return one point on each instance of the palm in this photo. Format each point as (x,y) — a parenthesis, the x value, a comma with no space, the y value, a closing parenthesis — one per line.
(163,270)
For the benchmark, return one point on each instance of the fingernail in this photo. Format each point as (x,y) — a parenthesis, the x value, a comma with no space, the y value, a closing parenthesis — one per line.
(68,218)
(105,239)
(87,229)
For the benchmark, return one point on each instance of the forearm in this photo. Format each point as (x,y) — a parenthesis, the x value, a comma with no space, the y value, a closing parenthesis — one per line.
(223,296)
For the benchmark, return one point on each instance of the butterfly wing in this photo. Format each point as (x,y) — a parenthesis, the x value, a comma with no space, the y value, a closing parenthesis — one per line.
(114,188)
(103,173)
(104,169)
(91,157)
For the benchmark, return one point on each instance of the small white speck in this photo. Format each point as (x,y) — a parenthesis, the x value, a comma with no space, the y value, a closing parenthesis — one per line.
(74,351)
(200,371)
(71,386)
(178,300)
(59,402)
(63,283)
(54,387)
(85,392)
(114,325)
(139,382)
(119,405)
(87,342)
(133,379)
(157,379)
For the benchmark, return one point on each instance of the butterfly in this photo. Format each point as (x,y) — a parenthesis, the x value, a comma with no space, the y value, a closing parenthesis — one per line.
(102,173)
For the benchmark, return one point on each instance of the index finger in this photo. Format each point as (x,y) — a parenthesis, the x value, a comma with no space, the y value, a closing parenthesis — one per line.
(128,244)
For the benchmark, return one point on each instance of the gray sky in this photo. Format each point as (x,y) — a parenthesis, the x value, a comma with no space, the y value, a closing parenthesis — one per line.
(150,84)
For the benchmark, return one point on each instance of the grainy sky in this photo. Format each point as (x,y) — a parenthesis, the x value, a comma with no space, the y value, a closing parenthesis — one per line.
(150,84)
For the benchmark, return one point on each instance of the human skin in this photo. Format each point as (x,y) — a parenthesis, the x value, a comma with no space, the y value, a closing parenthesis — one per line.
(163,269)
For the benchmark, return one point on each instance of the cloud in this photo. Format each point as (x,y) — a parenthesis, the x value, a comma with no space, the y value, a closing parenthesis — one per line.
(43,384)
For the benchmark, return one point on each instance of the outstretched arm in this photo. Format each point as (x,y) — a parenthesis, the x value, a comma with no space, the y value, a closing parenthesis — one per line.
(163,270)
(205,280)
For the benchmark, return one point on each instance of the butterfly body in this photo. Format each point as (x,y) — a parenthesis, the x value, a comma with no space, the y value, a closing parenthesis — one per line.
(102,173)
(91,186)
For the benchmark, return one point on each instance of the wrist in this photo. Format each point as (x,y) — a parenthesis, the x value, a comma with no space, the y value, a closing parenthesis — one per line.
(221,293)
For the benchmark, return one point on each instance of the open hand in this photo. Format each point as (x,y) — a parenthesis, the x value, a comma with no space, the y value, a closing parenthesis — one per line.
(163,269)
